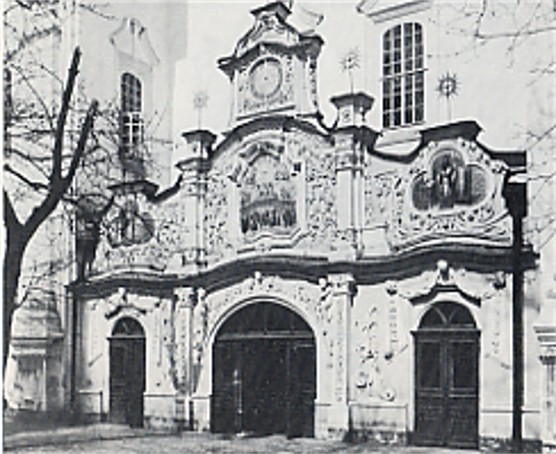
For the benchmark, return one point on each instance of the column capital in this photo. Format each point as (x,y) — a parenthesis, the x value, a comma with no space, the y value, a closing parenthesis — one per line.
(343,283)
(185,296)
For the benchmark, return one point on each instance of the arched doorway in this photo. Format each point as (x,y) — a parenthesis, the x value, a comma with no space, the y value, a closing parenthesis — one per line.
(127,372)
(264,373)
(447,378)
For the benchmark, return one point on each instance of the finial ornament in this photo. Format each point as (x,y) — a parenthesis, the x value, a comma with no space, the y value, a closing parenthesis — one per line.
(200,101)
(350,62)
(447,87)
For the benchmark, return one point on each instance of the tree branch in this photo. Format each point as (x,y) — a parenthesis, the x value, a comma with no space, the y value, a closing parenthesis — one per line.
(81,144)
(56,174)
(36,185)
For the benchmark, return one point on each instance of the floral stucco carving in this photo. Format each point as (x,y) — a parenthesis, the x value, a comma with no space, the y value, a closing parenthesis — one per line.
(216,214)
(378,196)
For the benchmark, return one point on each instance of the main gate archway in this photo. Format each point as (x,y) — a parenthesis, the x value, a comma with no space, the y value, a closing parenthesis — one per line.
(447,377)
(264,373)
(127,372)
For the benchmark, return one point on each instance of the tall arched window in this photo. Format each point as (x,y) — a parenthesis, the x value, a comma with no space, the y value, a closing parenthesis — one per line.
(403,69)
(131,117)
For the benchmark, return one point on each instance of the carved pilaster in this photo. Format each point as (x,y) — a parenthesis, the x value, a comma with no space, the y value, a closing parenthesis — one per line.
(192,165)
(342,293)
(185,302)
(546,336)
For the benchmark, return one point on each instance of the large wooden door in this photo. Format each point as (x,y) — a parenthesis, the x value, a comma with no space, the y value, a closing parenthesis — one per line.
(264,373)
(446,379)
(127,373)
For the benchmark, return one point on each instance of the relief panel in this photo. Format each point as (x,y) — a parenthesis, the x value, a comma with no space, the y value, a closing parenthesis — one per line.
(453,189)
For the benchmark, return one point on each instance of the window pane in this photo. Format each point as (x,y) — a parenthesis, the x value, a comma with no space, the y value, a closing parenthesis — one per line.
(386,119)
(419,113)
(403,55)
(397,118)
(429,365)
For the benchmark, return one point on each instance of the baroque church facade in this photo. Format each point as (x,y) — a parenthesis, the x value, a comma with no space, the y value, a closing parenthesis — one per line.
(302,278)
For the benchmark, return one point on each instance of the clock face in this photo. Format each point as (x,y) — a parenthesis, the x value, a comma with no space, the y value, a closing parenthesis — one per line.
(266,78)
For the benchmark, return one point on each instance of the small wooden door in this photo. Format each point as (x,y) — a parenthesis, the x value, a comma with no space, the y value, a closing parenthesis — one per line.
(127,373)
(446,381)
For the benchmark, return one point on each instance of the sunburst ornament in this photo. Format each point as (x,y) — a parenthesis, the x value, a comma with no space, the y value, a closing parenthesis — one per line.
(350,62)
(447,85)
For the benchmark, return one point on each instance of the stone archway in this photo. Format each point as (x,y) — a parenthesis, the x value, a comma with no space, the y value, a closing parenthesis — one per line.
(264,372)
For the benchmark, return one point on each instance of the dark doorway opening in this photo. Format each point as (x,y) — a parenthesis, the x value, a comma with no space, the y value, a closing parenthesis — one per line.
(127,372)
(264,373)
(447,378)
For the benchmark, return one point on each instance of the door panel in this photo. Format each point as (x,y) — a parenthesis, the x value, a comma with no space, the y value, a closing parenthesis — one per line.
(463,416)
(226,392)
(127,380)
(301,390)
(118,385)
(430,395)
(446,388)
(264,372)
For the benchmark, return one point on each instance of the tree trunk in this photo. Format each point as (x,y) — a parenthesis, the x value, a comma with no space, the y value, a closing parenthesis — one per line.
(13,255)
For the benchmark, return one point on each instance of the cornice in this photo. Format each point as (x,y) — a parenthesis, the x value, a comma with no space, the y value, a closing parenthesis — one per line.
(368,270)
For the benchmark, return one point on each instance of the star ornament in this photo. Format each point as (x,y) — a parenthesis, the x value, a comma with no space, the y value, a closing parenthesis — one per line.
(447,85)
(351,60)
(200,100)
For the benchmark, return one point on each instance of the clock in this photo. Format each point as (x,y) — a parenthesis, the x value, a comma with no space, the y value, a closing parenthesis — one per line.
(266,78)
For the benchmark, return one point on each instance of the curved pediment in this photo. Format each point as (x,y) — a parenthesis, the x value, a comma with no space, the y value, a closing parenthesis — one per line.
(270,29)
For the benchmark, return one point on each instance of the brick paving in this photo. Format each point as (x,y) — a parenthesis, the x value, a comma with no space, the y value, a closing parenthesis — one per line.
(111,439)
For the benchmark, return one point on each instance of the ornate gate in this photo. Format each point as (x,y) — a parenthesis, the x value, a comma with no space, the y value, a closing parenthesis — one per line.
(264,373)
(447,378)
(127,372)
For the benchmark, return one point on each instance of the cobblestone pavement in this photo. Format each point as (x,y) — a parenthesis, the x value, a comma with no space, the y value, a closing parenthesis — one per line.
(205,443)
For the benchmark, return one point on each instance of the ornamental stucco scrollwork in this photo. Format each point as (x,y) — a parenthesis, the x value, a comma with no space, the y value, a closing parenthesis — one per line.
(211,308)
(168,234)
(378,196)
(216,214)
(343,289)
(181,311)
(453,189)
(321,200)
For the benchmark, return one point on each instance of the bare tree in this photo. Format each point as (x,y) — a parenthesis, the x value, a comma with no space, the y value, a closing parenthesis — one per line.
(19,232)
